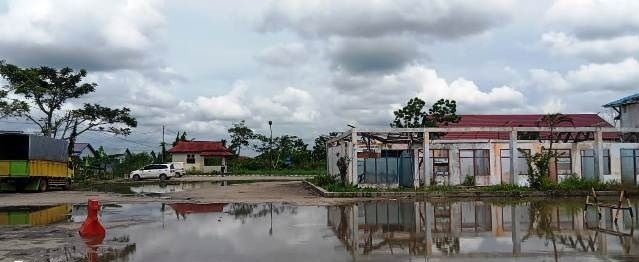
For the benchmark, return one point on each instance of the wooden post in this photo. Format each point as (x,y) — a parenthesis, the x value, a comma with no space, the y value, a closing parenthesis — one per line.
(513,156)
(426,164)
(599,163)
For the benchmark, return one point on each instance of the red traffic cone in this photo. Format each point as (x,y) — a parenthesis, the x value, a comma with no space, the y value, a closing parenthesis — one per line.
(91,226)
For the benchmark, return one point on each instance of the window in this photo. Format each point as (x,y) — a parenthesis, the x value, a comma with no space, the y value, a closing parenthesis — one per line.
(190,159)
(439,161)
(212,161)
(588,160)
(474,162)
(521,164)
(563,163)
(629,165)
(149,167)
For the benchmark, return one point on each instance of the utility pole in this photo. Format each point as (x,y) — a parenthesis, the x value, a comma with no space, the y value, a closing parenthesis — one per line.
(270,149)
(163,146)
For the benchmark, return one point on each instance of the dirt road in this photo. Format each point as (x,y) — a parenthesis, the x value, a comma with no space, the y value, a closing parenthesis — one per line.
(282,191)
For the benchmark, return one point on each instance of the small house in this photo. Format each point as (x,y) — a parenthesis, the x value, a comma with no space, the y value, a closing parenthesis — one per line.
(203,156)
(83,150)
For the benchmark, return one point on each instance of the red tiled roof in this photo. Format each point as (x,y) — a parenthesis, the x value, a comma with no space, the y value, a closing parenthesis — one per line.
(210,148)
(579,120)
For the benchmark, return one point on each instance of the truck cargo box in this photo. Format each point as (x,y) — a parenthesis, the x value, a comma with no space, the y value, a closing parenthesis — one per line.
(32,147)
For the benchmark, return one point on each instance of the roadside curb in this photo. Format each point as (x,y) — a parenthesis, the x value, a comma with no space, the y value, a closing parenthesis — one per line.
(451,194)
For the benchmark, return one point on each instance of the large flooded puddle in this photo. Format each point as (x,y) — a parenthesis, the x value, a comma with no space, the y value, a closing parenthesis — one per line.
(369,231)
(158,188)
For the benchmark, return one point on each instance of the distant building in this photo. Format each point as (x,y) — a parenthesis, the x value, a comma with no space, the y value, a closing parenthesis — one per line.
(204,156)
(83,150)
(627,109)
(480,147)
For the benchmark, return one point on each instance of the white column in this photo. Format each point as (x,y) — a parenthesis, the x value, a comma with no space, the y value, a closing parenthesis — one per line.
(599,163)
(416,168)
(514,221)
(354,157)
(426,164)
(513,156)
(429,217)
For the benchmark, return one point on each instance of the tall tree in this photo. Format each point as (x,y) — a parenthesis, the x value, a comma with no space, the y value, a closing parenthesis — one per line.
(319,148)
(444,111)
(413,115)
(241,135)
(44,91)
(179,138)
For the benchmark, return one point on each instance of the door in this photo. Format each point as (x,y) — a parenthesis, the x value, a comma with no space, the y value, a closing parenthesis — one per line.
(148,171)
(406,168)
(629,169)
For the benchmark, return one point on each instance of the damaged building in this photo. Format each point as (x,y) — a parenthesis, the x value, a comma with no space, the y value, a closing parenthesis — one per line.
(480,147)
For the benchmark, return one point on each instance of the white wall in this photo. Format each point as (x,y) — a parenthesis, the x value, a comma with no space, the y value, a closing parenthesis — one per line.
(630,116)
(494,147)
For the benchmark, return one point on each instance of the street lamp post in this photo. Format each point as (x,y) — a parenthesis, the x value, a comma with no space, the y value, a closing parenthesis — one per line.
(270,147)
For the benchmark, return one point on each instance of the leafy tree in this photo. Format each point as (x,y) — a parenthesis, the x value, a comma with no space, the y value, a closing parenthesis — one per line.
(178,138)
(444,112)
(45,90)
(319,148)
(283,146)
(241,135)
(539,163)
(413,115)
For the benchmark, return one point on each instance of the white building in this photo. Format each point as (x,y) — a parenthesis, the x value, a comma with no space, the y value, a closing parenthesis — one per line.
(627,109)
(203,156)
(480,146)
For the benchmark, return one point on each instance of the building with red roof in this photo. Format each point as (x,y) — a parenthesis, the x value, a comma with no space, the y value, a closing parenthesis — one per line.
(204,156)
(491,149)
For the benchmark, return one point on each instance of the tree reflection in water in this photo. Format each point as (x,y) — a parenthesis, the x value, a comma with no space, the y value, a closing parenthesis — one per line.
(241,211)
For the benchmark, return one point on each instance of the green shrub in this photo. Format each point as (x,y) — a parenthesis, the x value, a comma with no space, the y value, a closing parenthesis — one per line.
(469,181)
(323,180)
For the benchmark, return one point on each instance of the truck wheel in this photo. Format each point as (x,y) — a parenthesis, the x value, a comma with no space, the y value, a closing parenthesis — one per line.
(136,177)
(163,177)
(43,185)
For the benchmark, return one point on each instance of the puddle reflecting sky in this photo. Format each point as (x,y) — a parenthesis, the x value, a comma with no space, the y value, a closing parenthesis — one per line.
(371,231)
(160,188)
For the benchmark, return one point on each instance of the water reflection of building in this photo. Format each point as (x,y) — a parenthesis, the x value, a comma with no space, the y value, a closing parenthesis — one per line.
(474,228)
(34,216)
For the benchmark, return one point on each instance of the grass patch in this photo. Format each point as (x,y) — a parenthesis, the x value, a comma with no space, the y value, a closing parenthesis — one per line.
(278,172)
(263,172)
(569,184)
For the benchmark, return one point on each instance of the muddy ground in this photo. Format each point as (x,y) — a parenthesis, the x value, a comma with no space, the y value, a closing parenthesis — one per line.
(288,189)
(61,241)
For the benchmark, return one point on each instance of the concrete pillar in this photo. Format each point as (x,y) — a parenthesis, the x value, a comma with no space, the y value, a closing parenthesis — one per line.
(428,171)
(429,217)
(599,163)
(514,221)
(513,156)
(354,157)
(416,179)
(355,226)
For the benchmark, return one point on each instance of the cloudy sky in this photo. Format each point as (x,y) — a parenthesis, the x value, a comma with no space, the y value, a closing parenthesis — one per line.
(314,66)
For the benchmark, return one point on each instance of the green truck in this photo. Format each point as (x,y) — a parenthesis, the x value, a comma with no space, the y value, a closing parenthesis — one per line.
(33,163)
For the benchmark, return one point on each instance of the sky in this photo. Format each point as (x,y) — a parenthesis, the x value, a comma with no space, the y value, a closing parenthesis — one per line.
(314,66)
